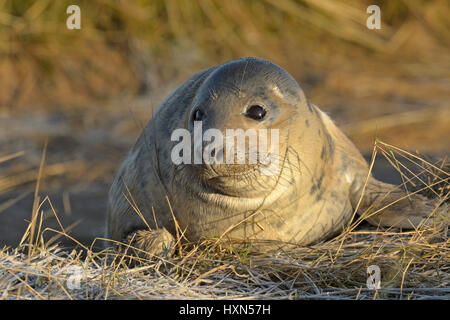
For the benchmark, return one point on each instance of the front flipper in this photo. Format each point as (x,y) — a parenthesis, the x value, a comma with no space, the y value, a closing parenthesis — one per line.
(148,244)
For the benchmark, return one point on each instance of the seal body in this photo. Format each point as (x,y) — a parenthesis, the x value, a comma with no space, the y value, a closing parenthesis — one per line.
(320,180)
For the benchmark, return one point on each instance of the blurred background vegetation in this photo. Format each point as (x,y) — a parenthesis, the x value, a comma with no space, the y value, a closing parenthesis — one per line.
(124,46)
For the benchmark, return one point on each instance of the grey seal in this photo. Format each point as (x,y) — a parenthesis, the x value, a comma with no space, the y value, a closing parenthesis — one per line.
(321,180)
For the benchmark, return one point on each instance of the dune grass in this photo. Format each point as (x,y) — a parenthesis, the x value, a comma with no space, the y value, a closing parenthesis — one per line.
(414,264)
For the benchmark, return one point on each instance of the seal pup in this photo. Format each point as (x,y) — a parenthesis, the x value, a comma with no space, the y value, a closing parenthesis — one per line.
(320,181)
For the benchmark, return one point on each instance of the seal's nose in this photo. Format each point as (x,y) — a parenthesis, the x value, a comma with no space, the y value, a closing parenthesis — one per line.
(198,114)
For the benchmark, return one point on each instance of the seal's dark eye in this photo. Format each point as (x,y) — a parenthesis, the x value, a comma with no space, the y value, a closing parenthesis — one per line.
(198,115)
(255,112)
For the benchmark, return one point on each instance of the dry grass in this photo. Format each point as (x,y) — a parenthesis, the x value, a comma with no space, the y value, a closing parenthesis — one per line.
(414,264)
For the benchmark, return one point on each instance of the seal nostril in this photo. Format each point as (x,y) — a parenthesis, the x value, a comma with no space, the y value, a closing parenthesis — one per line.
(198,115)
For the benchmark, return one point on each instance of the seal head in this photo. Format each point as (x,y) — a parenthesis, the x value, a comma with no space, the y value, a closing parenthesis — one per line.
(242,98)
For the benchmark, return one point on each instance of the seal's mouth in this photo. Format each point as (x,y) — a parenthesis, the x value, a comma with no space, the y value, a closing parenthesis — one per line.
(212,172)
(249,165)
(235,180)
(227,180)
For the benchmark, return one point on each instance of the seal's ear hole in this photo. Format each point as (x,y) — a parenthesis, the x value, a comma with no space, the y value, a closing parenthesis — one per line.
(255,112)
(198,115)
